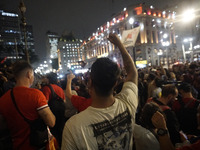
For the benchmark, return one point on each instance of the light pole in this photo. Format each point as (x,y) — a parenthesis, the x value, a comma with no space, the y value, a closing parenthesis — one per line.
(22,9)
(131,21)
(190,49)
(166,44)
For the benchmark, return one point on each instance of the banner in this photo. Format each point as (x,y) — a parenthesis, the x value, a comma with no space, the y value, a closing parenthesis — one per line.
(129,37)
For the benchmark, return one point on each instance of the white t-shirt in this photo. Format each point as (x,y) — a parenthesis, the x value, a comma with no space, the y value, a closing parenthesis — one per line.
(104,128)
(144,139)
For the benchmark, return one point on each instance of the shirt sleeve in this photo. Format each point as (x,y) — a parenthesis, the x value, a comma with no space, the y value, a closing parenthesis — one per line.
(77,101)
(41,101)
(129,95)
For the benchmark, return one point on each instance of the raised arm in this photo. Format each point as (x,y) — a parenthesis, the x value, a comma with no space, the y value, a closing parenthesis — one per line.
(68,86)
(129,65)
(158,121)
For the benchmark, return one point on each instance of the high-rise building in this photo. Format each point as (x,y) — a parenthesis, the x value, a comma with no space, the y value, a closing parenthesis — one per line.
(70,53)
(52,44)
(156,41)
(29,36)
(9,28)
(12,36)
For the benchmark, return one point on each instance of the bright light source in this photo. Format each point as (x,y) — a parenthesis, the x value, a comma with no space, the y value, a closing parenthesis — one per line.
(141,26)
(165,35)
(151,7)
(124,9)
(114,59)
(190,39)
(50,61)
(176,36)
(185,40)
(158,21)
(188,15)
(131,20)
(160,53)
(166,43)
(45,62)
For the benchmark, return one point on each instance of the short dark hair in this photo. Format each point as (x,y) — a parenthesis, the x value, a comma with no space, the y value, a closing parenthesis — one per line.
(19,67)
(104,74)
(186,87)
(52,77)
(168,89)
(147,112)
(158,82)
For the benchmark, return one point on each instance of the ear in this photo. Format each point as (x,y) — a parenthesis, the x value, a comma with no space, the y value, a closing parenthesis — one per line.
(29,74)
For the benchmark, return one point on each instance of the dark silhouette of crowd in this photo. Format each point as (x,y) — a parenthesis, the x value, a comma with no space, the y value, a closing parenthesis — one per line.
(108,107)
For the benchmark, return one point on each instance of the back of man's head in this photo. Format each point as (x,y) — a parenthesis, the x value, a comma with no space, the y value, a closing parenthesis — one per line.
(20,68)
(147,112)
(104,74)
(185,87)
(52,77)
(168,89)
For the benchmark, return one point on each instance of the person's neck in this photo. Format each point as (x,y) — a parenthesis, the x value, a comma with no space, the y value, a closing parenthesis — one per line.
(187,95)
(102,102)
(163,100)
(22,83)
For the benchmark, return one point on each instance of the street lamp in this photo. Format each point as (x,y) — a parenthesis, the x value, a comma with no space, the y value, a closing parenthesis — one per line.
(131,21)
(188,15)
(22,9)
(166,44)
(186,40)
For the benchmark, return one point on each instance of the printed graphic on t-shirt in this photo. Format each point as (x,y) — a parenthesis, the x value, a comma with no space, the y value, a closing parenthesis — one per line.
(114,134)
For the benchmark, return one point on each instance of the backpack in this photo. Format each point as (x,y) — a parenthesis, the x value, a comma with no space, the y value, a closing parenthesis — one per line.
(188,116)
(57,107)
(162,107)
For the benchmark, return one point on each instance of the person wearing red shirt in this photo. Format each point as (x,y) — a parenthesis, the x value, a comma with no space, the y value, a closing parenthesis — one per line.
(186,109)
(52,80)
(80,103)
(31,103)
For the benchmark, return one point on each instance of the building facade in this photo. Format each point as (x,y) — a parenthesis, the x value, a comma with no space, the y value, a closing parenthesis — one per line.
(29,36)
(187,27)
(156,41)
(12,36)
(52,44)
(70,54)
(9,34)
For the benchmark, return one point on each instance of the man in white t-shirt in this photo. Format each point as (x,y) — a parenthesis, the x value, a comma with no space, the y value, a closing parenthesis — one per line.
(108,123)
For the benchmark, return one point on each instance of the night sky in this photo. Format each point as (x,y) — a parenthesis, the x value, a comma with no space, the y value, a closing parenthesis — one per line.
(82,17)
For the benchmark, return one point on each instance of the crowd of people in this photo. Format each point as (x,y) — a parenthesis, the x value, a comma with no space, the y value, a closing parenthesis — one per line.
(108,107)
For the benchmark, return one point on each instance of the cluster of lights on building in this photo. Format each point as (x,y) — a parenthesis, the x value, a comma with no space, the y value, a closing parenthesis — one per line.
(156,28)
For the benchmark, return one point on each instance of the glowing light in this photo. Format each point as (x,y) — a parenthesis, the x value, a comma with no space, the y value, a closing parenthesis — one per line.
(165,35)
(188,15)
(166,43)
(131,21)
